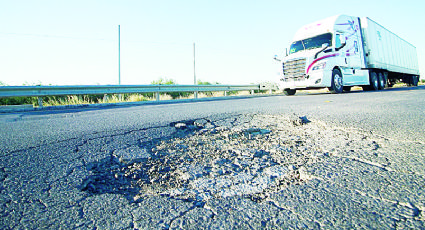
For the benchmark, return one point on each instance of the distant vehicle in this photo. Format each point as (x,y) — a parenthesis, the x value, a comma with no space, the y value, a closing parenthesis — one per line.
(343,51)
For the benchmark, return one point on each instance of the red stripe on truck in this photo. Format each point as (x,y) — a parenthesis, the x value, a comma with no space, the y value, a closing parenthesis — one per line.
(318,59)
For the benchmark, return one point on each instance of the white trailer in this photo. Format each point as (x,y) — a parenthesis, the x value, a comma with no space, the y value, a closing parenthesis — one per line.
(386,51)
(343,51)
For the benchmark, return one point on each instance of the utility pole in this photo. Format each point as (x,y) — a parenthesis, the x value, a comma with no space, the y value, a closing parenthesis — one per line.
(194,70)
(119,56)
(119,60)
(194,66)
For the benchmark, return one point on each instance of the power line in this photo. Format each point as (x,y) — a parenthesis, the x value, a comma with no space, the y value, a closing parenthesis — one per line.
(57,36)
(50,36)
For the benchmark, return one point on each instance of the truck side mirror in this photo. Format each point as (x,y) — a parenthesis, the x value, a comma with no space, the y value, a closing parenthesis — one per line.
(340,42)
(343,41)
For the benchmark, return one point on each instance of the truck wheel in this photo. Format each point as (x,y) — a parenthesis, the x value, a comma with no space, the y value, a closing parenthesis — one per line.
(374,82)
(346,88)
(336,84)
(381,81)
(289,92)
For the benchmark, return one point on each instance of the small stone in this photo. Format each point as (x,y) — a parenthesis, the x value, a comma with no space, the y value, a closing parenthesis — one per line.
(292,167)
(209,126)
(304,174)
(298,121)
(131,154)
(200,123)
(202,131)
(180,126)
(184,176)
(221,128)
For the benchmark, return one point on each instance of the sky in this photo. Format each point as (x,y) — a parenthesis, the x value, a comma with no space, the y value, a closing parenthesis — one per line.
(64,42)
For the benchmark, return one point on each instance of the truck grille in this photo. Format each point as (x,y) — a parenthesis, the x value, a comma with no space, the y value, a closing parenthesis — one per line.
(294,69)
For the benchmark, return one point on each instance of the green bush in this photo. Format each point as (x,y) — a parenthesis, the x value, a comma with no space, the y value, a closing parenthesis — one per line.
(235,92)
(18,100)
(207,93)
(261,91)
(174,95)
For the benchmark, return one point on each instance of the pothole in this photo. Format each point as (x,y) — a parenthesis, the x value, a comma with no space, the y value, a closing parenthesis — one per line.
(248,155)
(223,162)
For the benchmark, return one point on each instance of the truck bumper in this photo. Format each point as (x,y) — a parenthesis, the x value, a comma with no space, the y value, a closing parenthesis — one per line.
(313,80)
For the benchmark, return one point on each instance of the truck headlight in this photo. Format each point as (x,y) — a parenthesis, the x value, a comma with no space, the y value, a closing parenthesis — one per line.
(318,66)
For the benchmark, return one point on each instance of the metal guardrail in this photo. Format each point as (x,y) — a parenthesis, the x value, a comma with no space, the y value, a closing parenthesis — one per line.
(40,91)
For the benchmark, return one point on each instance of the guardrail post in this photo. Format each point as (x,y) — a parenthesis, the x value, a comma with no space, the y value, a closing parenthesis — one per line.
(157,96)
(270,91)
(225,93)
(195,94)
(40,102)
(252,92)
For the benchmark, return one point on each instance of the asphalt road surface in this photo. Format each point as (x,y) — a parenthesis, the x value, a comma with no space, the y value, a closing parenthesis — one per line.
(321,161)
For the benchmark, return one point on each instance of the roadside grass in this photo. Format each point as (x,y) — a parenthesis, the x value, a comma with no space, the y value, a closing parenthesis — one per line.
(112,98)
(86,99)
(118,98)
(68,100)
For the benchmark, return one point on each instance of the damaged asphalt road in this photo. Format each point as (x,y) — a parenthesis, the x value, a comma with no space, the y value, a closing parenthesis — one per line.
(247,170)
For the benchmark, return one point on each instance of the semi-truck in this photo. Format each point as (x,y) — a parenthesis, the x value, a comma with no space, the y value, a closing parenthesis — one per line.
(345,51)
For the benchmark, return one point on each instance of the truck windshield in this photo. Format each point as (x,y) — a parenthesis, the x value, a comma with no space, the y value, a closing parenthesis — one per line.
(311,43)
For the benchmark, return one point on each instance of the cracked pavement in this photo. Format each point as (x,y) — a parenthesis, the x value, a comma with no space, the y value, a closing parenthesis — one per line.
(246,171)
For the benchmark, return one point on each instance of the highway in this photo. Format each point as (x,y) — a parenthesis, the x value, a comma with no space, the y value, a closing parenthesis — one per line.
(353,160)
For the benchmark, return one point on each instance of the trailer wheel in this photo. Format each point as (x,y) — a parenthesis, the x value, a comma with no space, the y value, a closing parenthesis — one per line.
(374,81)
(289,92)
(381,81)
(336,84)
(415,80)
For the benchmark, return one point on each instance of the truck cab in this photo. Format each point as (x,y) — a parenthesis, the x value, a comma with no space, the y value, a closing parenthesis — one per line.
(325,54)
